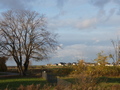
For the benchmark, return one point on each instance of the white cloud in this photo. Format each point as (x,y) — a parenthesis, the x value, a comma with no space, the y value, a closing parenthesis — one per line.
(86,23)
(71,51)
(82,51)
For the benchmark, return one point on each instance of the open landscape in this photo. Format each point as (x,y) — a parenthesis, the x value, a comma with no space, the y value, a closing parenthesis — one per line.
(59,45)
(74,77)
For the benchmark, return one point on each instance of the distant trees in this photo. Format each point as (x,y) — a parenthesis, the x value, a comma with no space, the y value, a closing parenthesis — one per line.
(3,66)
(24,36)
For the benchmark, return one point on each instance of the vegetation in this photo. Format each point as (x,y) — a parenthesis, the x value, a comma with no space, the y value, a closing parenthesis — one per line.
(13,83)
(80,83)
(84,80)
(62,71)
(74,77)
(3,66)
(24,36)
(99,69)
(116,56)
(102,59)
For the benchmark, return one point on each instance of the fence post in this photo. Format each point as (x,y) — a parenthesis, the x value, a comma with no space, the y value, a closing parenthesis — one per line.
(44,75)
(49,77)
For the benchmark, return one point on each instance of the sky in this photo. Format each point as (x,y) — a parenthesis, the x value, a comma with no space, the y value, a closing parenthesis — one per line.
(84,27)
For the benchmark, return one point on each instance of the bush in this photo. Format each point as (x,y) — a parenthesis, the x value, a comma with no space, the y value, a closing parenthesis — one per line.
(3,66)
(63,71)
(80,68)
(103,70)
(98,70)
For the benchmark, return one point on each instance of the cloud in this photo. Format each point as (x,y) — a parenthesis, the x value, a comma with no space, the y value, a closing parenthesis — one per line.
(99,3)
(14,4)
(90,23)
(102,3)
(82,51)
(60,3)
(104,14)
(116,1)
(111,12)
(60,14)
(87,23)
(73,23)
(72,50)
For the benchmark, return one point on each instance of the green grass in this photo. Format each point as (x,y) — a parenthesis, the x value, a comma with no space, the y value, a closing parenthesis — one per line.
(109,81)
(14,83)
(102,81)
(69,79)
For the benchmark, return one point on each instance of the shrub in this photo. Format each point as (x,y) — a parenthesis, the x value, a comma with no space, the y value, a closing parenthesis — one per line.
(80,68)
(103,70)
(85,81)
(63,71)
(3,66)
(102,59)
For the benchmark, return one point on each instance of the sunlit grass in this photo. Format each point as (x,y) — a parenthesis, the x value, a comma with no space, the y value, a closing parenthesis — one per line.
(101,81)
(13,83)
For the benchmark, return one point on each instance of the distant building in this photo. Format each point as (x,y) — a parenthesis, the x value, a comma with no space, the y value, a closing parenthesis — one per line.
(49,65)
(61,64)
(89,64)
(68,64)
(74,63)
(55,64)
(108,64)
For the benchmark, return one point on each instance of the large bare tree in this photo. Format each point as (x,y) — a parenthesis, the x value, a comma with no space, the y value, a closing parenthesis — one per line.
(24,36)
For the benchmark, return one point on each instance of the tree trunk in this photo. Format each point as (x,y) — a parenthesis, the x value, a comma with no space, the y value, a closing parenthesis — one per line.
(26,64)
(20,70)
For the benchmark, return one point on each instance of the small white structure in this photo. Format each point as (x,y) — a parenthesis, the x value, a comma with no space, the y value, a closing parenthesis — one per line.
(74,63)
(108,64)
(61,64)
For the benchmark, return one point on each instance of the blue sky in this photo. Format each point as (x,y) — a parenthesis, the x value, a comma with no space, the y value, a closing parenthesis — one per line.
(85,27)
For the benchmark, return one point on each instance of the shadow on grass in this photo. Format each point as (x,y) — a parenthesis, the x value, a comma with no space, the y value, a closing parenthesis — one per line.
(109,79)
(71,80)
(14,83)
(98,80)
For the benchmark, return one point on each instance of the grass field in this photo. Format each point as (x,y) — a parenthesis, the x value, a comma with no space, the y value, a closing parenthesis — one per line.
(13,83)
(101,81)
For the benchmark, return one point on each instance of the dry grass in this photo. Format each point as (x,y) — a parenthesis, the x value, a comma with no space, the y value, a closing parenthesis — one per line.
(71,87)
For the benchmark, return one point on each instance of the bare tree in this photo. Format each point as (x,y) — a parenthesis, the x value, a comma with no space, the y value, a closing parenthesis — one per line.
(24,36)
(116,55)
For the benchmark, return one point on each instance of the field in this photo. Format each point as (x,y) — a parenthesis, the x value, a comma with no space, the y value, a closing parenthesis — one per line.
(78,81)
(15,82)
(102,81)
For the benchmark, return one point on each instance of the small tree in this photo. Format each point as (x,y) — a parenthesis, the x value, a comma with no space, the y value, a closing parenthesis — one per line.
(3,66)
(24,36)
(101,59)
(80,68)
